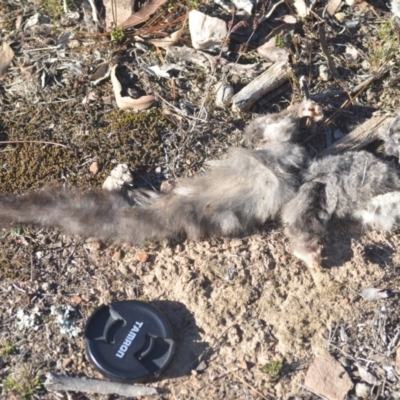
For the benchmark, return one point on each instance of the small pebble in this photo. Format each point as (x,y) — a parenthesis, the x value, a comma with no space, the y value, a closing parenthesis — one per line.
(142,257)
(117,255)
(94,168)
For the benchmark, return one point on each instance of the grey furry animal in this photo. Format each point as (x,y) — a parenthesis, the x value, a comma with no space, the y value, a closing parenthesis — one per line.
(355,185)
(247,188)
(391,138)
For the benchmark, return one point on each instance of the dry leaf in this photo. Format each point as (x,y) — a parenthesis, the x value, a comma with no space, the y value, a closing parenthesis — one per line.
(169,40)
(6,56)
(126,102)
(143,14)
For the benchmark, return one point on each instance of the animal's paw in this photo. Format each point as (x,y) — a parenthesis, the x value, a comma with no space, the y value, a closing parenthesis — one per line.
(310,254)
(392,138)
(310,109)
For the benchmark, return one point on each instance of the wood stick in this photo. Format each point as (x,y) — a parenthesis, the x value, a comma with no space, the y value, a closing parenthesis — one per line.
(360,137)
(271,79)
(60,382)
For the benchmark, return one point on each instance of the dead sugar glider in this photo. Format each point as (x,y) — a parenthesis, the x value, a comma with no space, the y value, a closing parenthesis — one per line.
(246,189)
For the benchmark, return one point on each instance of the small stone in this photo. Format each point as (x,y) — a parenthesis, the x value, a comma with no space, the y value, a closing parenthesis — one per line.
(344,302)
(244,365)
(67,362)
(340,16)
(94,168)
(142,257)
(326,377)
(75,300)
(117,255)
(201,367)
(74,43)
(206,32)
(93,244)
(363,390)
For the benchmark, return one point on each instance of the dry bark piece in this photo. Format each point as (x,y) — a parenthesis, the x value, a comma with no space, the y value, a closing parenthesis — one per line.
(271,79)
(143,14)
(206,32)
(126,102)
(361,136)
(59,382)
(326,377)
(6,56)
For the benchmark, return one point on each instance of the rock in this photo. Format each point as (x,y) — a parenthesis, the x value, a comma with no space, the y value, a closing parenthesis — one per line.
(75,300)
(67,362)
(207,32)
(340,16)
(363,390)
(142,257)
(94,168)
(74,43)
(327,378)
(117,255)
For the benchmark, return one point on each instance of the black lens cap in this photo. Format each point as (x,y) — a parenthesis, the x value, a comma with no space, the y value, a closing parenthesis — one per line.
(129,341)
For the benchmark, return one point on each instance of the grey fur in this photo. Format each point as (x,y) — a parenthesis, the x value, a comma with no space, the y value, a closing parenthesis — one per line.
(354,185)
(247,188)
(392,138)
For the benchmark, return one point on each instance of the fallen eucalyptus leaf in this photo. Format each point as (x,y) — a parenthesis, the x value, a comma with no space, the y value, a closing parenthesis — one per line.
(143,14)
(373,294)
(126,102)
(6,56)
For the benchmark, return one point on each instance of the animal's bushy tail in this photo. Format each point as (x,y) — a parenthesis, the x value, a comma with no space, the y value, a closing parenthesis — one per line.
(101,214)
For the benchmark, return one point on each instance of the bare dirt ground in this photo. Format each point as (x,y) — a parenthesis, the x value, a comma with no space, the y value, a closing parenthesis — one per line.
(248,317)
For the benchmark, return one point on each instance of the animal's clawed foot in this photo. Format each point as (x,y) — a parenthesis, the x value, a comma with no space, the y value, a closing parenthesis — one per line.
(310,109)
(310,254)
